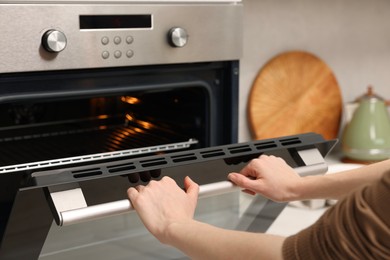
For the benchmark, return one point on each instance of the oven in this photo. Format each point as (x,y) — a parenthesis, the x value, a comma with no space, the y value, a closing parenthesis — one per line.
(97,96)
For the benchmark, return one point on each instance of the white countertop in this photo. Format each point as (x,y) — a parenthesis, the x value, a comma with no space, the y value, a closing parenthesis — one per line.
(293,219)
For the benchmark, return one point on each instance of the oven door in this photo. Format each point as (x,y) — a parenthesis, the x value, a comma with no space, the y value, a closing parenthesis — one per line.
(125,237)
(83,212)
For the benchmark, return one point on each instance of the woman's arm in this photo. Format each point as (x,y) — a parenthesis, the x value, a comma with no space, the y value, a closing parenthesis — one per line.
(271,177)
(167,212)
(202,241)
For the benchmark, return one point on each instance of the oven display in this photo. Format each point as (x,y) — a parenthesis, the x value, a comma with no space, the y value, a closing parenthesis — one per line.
(115,21)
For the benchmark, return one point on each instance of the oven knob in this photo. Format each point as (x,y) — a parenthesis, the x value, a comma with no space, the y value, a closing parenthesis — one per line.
(178,37)
(54,41)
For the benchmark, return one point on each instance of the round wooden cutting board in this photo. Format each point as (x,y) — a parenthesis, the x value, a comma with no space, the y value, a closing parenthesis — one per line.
(294,93)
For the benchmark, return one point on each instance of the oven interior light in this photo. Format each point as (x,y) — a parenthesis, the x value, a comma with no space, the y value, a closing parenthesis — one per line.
(143,124)
(146,125)
(102,116)
(129,117)
(130,100)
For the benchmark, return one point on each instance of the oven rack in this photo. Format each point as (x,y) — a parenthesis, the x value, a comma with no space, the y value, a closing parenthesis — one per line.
(100,156)
(84,140)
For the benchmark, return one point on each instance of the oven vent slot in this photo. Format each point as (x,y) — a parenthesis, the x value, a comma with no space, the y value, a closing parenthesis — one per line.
(154,162)
(290,141)
(184,158)
(120,168)
(213,153)
(240,149)
(240,159)
(265,145)
(87,173)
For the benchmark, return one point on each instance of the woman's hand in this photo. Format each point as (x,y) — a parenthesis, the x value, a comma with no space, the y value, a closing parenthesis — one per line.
(162,203)
(167,212)
(269,176)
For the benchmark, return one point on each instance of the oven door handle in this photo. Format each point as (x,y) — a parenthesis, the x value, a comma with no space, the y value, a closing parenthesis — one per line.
(88,213)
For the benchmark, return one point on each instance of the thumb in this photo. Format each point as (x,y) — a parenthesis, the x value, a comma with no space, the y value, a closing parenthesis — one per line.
(192,188)
(132,194)
(243,181)
(237,178)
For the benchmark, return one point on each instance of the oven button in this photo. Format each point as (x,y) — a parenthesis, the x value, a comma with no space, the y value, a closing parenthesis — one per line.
(117,40)
(129,53)
(117,54)
(54,41)
(178,37)
(105,40)
(129,39)
(105,54)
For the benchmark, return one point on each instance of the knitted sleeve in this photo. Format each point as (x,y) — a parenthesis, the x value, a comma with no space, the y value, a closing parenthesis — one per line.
(357,227)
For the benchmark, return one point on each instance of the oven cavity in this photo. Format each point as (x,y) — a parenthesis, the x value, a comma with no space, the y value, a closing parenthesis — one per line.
(101,127)
(75,117)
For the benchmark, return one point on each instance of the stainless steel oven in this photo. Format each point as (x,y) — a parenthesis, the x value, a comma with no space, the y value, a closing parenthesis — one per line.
(97,96)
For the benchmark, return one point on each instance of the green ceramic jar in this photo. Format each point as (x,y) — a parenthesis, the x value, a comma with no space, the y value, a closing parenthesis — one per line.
(367,136)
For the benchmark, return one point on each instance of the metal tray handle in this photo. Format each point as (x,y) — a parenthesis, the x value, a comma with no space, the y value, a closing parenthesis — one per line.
(74,216)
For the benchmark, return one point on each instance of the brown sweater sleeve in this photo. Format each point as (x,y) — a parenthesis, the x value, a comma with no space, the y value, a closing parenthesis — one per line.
(357,227)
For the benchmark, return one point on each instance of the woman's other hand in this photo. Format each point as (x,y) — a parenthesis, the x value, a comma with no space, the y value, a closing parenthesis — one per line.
(269,176)
(162,203)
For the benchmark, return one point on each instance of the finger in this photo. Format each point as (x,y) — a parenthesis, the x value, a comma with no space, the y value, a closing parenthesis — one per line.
(132,193)
(247,170)
(249,192)
(251,169)
(139,188)
(191,187)
(236,178)
(244,182)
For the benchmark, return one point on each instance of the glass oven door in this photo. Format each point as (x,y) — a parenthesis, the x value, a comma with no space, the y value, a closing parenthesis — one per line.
(125,237)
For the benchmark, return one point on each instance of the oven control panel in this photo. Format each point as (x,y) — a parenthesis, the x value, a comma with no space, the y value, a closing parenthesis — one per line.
(42,37)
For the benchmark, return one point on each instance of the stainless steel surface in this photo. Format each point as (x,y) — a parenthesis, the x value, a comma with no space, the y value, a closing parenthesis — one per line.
(68,199)
(86,48)
(84,213)
(314,162)
(117,1)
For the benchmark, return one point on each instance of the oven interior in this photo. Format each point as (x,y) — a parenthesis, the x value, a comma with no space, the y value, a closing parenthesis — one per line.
(49,129)
(63,115)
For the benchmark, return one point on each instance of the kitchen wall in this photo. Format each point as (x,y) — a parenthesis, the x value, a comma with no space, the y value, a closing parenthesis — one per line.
(351,36)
